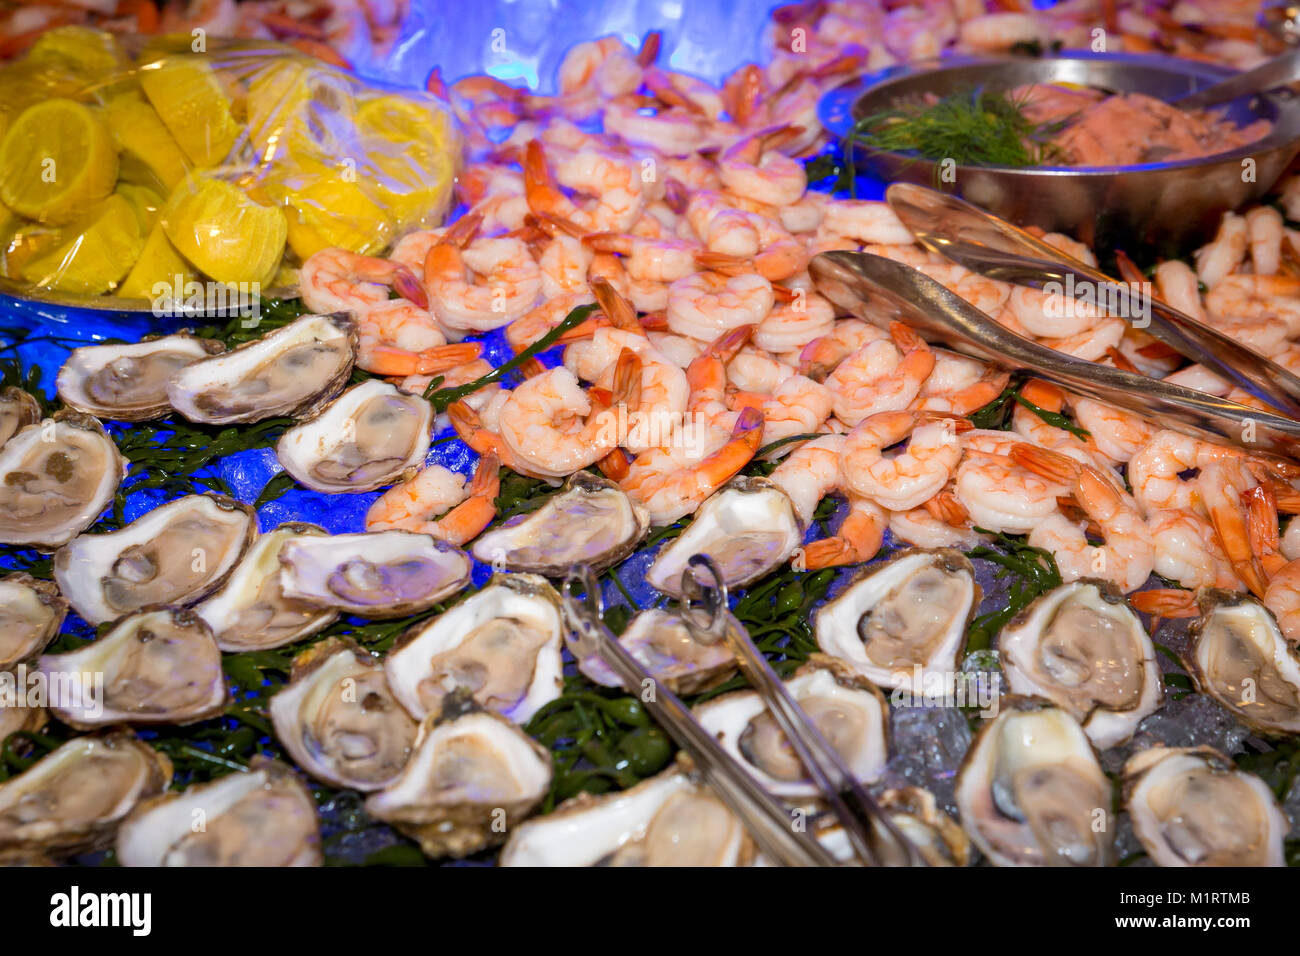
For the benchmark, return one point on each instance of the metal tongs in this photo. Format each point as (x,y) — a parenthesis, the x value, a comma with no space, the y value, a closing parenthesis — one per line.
(705,610)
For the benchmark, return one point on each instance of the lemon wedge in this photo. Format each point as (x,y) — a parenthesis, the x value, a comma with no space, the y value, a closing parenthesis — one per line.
(159,262)
(149,152)
(191,102)
(56,159)
(222,232)
(96,258)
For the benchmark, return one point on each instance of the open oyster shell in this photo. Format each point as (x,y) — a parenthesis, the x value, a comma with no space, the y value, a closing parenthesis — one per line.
(748,528)
(73,799)
(265,817)
(373,574)
(250,611)
(158,666)
(1239,657)
(1083,648)
(501,643)
(474,776)
(128,383)
(55,479)
(17,411)
(671,650)
(850,713)
(372,435)
(592,521)
(667,820)
(903,619)
(1191,806)
(175,554)
(1030,791)
(291,371)
(31,613)
(338,719)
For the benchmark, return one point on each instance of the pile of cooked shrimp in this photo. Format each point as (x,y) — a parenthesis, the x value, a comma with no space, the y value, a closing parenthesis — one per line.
(681,210)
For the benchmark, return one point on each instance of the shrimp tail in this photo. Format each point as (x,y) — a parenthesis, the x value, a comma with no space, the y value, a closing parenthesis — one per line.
(389,360)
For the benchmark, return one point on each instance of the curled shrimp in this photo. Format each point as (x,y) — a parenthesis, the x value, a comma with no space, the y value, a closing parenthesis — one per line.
(1222,255)
(998,493)
(822,355)
(480,287)
(857,539)
(613,181)
(465,509)
(651,260)
(706,304)
(1117,434)
(793,324)
(959,385)
(1187,551)
(1179,286)
(810,473)
(753,167)
(336,280)
(1156,472)
(864,221)
(1128,554)
(884,376)
(910,477)
(553,428)
(527,329)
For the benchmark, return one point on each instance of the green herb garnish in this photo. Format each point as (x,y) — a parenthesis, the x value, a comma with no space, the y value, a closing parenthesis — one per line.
(1034,572)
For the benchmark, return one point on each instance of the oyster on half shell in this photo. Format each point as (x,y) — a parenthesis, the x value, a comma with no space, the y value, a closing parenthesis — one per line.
(373,574)
(291,371)
(748,528)
(671,649)
(31,613)
(175,554)
(1083,648)
(128,383)
(55,479)
(372,435)
(905,617)
(17,411)
(592,521)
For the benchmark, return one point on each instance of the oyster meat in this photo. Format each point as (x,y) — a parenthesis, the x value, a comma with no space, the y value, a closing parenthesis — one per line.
(265,817)
(158,666)
(1083,648)
(902,619)
(592,521)
(250,612)
(667,820)
(1191,806)
(849,712)
(474,776)
(1030,791)
(375,574)
(17,411)
(175,554)
(73,799)
(372,435)
(31,613)
(748,528)
(128,383)
(338,719)
(671,649)
(1239,657)
(291,371)
(55,479)
(501,643)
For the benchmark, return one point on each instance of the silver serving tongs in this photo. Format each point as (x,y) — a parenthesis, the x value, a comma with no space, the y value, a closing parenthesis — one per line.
(1269,75)
(880,290)
(767,821)
(704,606)
(993,247)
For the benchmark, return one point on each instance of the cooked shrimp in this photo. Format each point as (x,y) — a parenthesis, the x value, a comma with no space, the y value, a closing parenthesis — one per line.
(483,286)
(998,493)
(959,385)
(1093,343)
(884,376)
(1117,434)
(613,181)
(1264,229)
(1052,315)
(920,528)
(1282,597)
(792,325)
(527,329)
(1221,486)
(810,473)
(652,260)
(799,406)
(1258,297)
(336,280)
(1186,551)
(1179,286)
(857,539)
(705,304)
(1156,471)
(910,477)
(465,510)
(551,425)
(753,167)
(1221,256)
(864,221)
(821,356)
(645,122)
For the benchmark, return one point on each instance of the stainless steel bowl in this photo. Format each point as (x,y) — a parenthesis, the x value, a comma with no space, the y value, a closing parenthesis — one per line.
(1171,206)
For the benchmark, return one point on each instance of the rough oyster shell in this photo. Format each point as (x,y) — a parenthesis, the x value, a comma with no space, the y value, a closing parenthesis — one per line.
(473,777)
(1030,791)
(250,611)
(1191,806)
(338,719)
(175,554)
(850,713)
(74,798)
(671,650)
(592,521)
(158,666)
(372,435)
(374,574)
(31,613)
(291,371)
(748,528)
(17,411)
(55,479)
(1083,648)
(128,383)
(909,612)
(265,817)
(502,643)
(667,820)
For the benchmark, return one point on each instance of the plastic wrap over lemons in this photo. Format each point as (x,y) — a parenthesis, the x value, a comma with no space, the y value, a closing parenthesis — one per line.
(127,165)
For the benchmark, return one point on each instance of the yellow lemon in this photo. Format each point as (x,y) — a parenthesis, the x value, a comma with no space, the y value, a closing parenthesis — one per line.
(97,257)
(57,158)
(159,262)
(223,232)
(189,98)
(149,152)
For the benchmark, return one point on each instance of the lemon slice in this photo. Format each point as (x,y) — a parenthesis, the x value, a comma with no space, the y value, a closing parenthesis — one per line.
(328,207)
(189,98)
(409,146)
(159,262)
(149,152)
(96,257)
(56,159)
(79,58)
(223,232)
